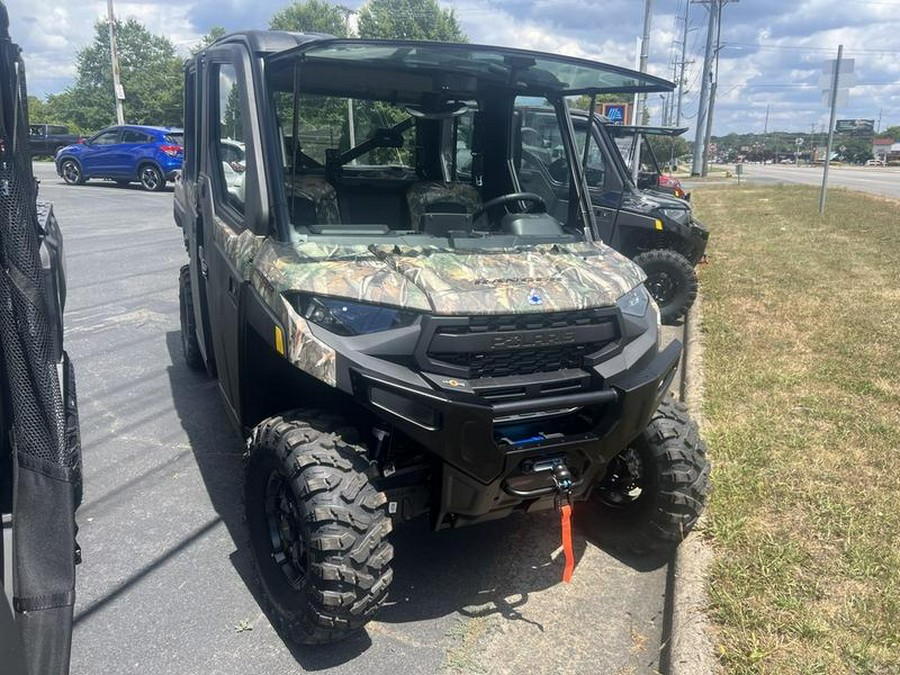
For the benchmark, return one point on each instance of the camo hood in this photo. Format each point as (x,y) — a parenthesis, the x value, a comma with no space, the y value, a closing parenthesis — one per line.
(445,281)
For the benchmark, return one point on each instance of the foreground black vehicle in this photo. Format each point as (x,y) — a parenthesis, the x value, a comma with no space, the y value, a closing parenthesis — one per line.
(399,325)
(40,452)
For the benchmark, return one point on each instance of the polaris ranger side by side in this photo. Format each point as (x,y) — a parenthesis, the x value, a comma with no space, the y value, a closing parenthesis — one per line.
(650,174)
(655,230)
(402,338)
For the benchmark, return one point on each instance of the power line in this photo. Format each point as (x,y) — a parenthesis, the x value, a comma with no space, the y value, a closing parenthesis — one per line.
(799,48)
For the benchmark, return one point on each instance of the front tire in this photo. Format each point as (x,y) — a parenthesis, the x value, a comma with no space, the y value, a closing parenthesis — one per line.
(151,178)
(71,172)
(317,527)
(671,280)
(655,490)
(189,343)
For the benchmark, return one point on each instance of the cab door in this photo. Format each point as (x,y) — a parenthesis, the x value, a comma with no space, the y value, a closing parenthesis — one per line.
(187,213)
(228,209)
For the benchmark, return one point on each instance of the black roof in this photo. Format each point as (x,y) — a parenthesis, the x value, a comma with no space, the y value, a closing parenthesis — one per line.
(271,41)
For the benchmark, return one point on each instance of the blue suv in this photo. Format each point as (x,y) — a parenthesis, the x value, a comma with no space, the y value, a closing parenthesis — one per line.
(149,155)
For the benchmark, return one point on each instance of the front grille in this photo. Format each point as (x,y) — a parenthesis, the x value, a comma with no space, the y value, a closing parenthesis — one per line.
(520,361)
(522,322)
(520,344)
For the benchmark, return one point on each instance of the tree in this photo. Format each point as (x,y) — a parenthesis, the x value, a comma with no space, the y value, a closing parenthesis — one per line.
(214,34)
(409,20)
(311,16)
(150,72)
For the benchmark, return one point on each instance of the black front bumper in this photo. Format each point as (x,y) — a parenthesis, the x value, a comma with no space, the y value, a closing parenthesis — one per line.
(486,470)
(699,238)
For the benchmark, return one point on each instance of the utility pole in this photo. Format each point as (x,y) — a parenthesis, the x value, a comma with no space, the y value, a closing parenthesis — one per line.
(684,35)
(714,87)
(118,91)
(641,101)
(703,108)
(710,82)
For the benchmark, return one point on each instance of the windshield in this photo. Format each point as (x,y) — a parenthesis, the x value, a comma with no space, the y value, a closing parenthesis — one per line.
(372,156)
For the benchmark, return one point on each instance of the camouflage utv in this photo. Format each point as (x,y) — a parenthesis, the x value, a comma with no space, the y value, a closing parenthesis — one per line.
(400,329)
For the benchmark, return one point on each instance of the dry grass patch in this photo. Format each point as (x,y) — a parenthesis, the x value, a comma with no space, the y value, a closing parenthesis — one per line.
(802,361)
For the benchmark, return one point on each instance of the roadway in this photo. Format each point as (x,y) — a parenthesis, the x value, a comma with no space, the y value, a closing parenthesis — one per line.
(883,181)
(166,585)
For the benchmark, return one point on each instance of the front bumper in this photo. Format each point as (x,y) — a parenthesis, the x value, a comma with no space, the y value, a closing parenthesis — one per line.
(699,238)
(495,456)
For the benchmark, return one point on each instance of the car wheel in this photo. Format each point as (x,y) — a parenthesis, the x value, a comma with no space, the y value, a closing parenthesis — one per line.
(671,280)
(318,527)
(71,172)
(655,490)
(151,178)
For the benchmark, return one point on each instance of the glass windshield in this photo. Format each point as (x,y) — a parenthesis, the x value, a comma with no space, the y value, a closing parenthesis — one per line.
(369,155)
(534,71)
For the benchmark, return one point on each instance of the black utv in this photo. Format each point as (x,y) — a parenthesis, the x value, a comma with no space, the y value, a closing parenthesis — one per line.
(656,230)
(401,336)
(651,175)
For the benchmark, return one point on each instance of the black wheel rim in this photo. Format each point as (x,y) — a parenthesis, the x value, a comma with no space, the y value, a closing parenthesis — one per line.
(624,482)
(150,178)
(661,286)
(285,530)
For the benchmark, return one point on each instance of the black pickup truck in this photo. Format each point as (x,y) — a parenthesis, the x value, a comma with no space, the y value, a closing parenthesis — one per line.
(47,139)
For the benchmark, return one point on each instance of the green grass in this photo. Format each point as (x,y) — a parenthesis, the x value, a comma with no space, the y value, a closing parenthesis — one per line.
(802,353)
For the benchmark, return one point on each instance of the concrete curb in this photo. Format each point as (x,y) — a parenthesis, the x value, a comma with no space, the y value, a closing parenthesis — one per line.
(690,648)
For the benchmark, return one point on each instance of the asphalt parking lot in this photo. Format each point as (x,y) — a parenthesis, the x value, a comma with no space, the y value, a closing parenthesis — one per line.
(165,586)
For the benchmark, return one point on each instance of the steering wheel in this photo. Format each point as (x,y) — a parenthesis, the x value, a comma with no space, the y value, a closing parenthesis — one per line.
(535,199)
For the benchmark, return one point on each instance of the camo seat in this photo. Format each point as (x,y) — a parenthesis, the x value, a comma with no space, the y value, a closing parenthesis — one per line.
(439,197)
(312,200)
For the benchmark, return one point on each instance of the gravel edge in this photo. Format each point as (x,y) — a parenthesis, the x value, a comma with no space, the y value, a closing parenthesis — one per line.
(690,649)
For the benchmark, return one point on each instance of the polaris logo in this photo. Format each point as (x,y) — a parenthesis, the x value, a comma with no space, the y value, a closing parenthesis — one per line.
(532,340)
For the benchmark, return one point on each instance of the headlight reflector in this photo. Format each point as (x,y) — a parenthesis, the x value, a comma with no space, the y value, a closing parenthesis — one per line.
(680,216)
(344,317)
(635,301)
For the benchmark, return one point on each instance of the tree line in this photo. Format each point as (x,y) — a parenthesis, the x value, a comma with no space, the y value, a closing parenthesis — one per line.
(151,70)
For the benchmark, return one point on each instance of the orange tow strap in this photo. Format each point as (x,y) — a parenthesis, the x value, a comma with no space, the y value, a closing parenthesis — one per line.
(566,521)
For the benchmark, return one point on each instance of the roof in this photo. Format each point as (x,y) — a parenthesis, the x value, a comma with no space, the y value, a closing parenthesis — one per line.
(530,72)
(632,130)
(883,141)
(272,41)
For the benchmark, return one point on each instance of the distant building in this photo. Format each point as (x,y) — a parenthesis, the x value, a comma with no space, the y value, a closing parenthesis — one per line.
(883,148)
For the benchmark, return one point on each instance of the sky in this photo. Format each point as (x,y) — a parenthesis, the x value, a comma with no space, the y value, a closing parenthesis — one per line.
(770,65)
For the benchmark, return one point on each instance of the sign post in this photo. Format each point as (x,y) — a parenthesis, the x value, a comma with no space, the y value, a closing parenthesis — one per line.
(835,87)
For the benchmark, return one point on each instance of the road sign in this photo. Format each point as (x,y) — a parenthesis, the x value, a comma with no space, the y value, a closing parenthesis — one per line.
(616,112)
(798,142)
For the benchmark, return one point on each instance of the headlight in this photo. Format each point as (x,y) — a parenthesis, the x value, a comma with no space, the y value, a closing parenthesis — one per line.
(680,216)
(635,301)
(352,318)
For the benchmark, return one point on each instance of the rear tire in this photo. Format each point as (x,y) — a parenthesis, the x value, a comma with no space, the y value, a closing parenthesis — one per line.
(317,527)
(151,178)
(189,343)
(671,280)
(71,172)
(655,490)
